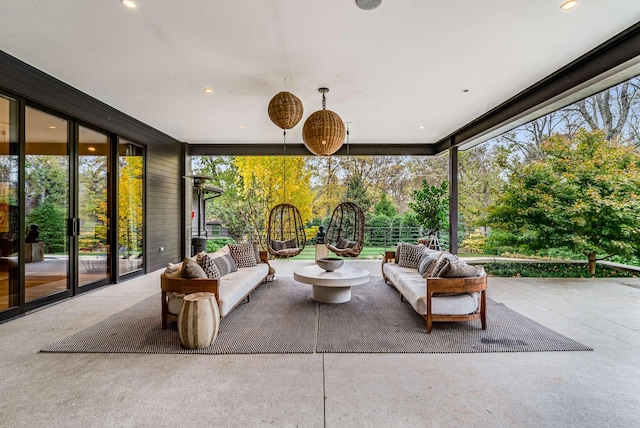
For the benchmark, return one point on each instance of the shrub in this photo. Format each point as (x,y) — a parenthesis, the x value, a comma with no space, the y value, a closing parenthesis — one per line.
(217,243)
(52,226)
(474,242)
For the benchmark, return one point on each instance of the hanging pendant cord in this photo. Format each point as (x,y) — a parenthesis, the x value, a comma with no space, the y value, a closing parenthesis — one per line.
(284,165)
(348,157)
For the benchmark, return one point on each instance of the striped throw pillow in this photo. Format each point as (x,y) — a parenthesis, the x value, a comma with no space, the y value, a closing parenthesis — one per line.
(225,264)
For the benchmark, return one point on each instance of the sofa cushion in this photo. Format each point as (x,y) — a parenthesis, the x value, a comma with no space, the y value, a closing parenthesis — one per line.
(456,268)
(414,289)
(174,302)
(210,268)
(234,286)
(225,264)
(410,255)
(191,269)
(243,254)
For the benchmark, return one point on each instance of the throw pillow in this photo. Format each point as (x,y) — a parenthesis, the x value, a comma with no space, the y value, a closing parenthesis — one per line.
(191,269)
(225,264)
(443,260)
(290,243)
(428,273)
(256,250)
(410,255)
(243,254)
(209,267)
(277,245)
(425,263)
(456,268)
(221,252)
(172,267)
(343,243)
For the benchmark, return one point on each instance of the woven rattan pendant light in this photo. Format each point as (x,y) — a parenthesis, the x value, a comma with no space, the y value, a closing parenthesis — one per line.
(285,110)
(323,132)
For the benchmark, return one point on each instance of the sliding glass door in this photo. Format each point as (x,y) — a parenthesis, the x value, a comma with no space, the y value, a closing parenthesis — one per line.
(94,257)
(130,207)
(47,208)
(9,205)
(71,207)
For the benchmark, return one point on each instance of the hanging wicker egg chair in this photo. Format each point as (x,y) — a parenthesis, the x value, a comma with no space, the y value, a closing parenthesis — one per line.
(345,234)
(285,231)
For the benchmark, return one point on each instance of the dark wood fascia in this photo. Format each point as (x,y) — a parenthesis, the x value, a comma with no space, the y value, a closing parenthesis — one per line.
(297,149)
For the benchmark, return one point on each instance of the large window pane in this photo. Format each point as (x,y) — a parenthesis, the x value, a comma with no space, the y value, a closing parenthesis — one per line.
(93,207)
(46,204)
(9,230)
(130,207)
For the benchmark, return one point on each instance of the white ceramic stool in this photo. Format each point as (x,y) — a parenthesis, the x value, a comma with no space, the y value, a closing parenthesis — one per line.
(198,320)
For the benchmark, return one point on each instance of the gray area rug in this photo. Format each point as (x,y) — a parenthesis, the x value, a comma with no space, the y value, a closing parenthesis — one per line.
(282,318)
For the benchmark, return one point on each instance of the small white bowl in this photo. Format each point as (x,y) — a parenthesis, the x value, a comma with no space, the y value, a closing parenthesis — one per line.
(329,263)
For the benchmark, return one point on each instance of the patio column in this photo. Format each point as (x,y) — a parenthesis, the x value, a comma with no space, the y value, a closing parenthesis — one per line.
(453,200)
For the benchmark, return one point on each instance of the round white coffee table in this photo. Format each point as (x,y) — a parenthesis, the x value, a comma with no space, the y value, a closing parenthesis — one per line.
(331,287)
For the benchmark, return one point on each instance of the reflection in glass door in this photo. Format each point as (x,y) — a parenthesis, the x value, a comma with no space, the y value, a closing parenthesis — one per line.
(46,204)
(9,210)
(93,206)
(130,207)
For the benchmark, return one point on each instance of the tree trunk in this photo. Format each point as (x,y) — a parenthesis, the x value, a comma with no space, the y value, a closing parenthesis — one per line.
(592,263)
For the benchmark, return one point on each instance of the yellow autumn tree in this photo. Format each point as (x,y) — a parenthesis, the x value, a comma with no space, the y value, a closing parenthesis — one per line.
(271,180)
(130,214)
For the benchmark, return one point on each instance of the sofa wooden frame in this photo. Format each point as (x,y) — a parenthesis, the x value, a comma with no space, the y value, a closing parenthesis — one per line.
(197,285)
(449,285)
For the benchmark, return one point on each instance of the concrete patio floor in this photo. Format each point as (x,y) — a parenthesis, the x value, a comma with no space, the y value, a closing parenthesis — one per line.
(543,389)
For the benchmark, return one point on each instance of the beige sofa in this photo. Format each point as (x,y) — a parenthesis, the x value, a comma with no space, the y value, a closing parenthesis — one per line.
(438,299)
(230,289)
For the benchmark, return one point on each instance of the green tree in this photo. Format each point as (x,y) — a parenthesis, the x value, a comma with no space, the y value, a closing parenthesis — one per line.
(357,193)
(385,207)
(582,196)
(431,206)
(51,224)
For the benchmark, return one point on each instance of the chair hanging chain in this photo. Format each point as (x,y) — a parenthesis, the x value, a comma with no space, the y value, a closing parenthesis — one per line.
(348,157)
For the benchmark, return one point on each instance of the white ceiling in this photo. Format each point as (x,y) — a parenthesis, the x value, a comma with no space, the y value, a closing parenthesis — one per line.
(389,70)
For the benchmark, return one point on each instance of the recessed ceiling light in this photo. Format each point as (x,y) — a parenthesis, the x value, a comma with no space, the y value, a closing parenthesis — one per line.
(131,4)
(569,4)
(208,90)
(91,149)
(52,127)
(420,127)
(242,126)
